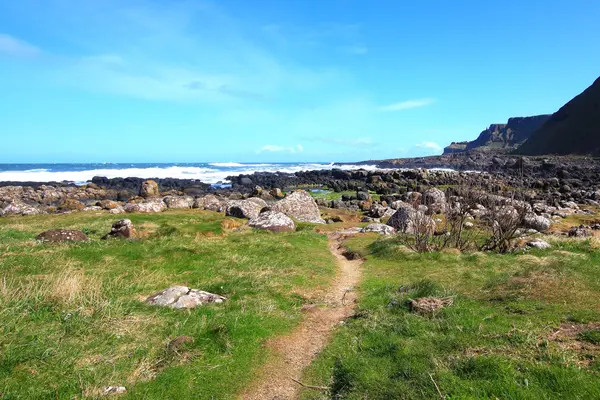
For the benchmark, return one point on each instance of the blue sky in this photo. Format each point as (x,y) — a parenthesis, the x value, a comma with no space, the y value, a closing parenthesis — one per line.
(279,80)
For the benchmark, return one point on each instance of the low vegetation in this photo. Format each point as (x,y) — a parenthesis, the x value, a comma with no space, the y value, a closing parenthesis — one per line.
(518,326)
(74,319)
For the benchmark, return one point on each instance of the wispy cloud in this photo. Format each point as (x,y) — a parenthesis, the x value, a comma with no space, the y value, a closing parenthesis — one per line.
(408,104)
(270,148)
(16,47)
(429,146)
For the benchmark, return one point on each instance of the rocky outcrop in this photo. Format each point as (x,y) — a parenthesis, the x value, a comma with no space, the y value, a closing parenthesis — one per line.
(574,129)
(18,208)
(183,297)
(209,202)
(62,235)
(455,147)
(301,206)
(273,221)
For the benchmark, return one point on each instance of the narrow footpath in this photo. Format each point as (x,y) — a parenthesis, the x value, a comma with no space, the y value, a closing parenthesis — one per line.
(294,352)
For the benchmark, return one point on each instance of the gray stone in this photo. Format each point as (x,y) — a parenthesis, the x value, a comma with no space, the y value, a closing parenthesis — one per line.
(537,222)
(408,220)
(179,202)
(183,297)
(435,200)
(301,206)
(539,244)
(273,221)
(243,208)
(382,229)
(149,206)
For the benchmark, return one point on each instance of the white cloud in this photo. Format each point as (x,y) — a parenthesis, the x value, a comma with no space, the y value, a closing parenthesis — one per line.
(269,148)
(16,47)
(408,104)
(429,146)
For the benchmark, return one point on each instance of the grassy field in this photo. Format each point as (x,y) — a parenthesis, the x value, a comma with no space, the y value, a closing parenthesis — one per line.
(73,318)
(522,326)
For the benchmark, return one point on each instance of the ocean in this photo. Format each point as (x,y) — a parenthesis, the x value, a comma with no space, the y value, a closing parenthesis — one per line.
(212,173)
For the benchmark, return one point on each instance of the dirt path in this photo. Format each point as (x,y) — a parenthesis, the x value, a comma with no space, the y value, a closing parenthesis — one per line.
(297,350)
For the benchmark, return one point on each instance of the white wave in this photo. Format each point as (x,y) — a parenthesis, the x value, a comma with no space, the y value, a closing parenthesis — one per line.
(234,164)
(206,175)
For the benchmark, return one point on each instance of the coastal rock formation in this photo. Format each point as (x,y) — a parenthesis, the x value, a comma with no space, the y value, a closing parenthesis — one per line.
(18,208)
(123,228)
(209,202)
(249,208)
(62,235)
(301,206)
(273,221)
(183,297)
(574,129)
(149,189)
(408,220)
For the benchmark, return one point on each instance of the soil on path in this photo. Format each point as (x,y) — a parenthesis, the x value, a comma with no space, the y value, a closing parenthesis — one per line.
(294,352)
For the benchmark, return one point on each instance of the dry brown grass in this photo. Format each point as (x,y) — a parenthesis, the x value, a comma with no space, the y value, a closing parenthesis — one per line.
(230,224)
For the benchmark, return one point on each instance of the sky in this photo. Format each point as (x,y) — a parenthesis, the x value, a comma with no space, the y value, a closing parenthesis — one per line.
(280,80)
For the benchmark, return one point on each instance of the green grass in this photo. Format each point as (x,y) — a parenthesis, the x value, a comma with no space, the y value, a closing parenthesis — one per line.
(73,318)
(331,195)
(494,342)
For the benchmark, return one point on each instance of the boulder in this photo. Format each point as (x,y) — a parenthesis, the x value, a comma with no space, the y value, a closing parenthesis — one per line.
(71,205)
(108,204)
(209,202)
(149,189)
(18,208)
(62,235)
(273,221)
(408,220)
(537,222)
(435,200)
(579,231)
(179,202)
(382,229)
(149,206)
(183,297)
(118,210)
(538,244)
(123,228)
(243,209)
(301,206)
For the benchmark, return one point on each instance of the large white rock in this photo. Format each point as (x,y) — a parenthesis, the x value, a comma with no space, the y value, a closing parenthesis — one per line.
(149,206)
(179,202)
(382,229)
(273,221)
(183,297)
(408,220)
(301,206)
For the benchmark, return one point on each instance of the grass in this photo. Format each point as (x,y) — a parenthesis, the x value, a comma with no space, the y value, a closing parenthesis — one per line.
(498,340)
(331,195)
(74,320)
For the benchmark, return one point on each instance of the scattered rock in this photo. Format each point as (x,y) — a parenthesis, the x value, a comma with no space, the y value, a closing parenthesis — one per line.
(273,221)
(123,228)
(408,220)
(18,208)
(118,210)
(209,202)
(435,200)
(301,206)
(539,244)
(149,206)
(179,202)
(183,297)
(71,205)
(62,235)
(382,229)
(537,222)
(108,204)
(248,209)
(579,231)
(149,189)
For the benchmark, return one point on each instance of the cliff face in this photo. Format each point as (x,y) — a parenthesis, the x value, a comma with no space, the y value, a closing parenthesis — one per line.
(502,136)
(574,129)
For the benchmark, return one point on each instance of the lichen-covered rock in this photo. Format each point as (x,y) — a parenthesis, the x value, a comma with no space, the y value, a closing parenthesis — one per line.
(179,202)
(408,220)
(273,221)
(435,200)
(209,202)
(108,204)
(71,205)
(537,222)
(62,235)
(149,206)
(149,189)
(301,206)
(123,228)
(183,297)
(243,209)
(18,208)
(382,229)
